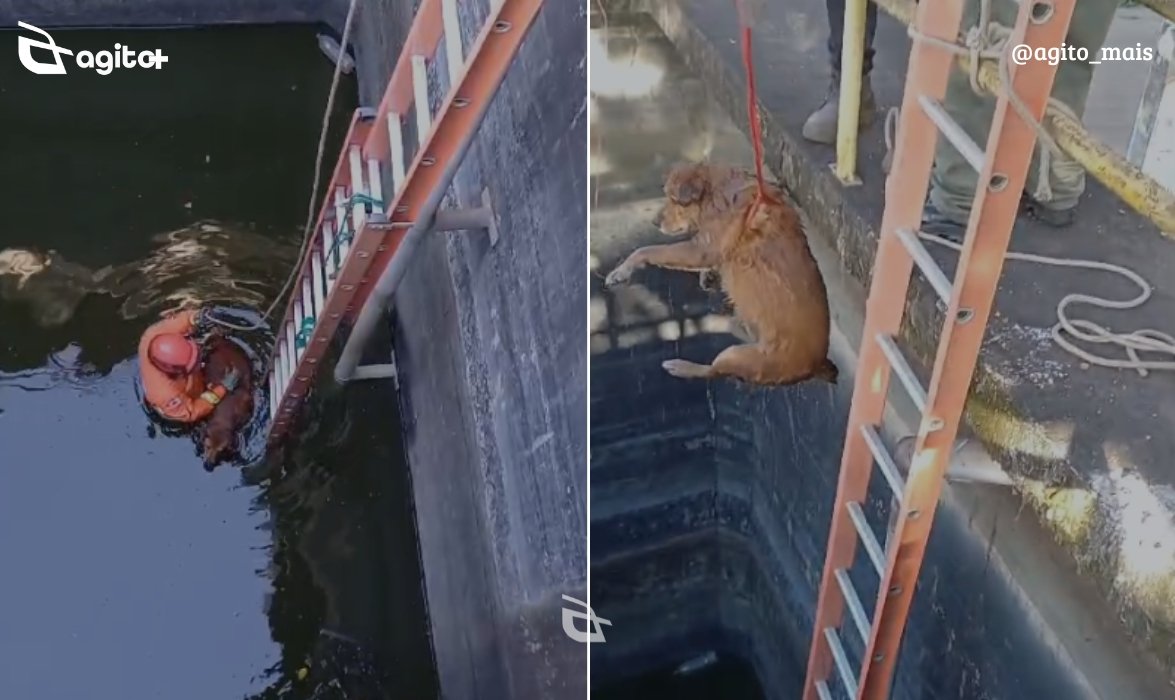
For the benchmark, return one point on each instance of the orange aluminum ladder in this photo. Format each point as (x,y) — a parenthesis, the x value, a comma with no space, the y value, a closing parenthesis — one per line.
(358,233)
(1003,170)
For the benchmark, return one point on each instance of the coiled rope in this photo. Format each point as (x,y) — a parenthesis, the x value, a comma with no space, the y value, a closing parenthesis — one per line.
(990,40)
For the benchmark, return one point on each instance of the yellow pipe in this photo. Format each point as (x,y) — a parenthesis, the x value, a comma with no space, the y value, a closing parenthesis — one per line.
(849,108)
(1138,190)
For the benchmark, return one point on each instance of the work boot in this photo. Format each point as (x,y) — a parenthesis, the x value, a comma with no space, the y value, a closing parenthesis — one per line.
(936,223)
(821,124)
(1056,218)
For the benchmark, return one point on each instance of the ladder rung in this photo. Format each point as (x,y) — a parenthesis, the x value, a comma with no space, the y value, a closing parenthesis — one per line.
(396,143)
(889,468)
(420,97)
(279,371)
(963,143)
(308,306)
(329,254)
(358,188)
(300,313)
(452,39)
(375,186)
(319,281)
(823,691)
(868,539)
(842,661)
(273,397)
(344,225)
(283,361)
(853,603)
(926,264)
(902,368)
(291,362)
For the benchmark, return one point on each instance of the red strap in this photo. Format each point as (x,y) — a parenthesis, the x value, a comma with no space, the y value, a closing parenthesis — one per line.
(761,195)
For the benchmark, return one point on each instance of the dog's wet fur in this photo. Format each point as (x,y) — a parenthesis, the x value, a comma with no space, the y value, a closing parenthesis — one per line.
(235,409)
(764,267)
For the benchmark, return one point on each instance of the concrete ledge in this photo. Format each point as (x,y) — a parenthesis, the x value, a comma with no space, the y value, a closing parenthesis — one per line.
(1089,447)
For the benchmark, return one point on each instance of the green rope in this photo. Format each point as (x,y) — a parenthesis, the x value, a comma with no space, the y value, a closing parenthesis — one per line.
(346,233)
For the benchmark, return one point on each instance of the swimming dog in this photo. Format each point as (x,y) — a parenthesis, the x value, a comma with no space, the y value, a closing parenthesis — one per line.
(236,408)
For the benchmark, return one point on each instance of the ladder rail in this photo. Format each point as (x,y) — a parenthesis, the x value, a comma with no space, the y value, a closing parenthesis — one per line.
(1010,146)
(1009,150)
(906,187)
(374,239)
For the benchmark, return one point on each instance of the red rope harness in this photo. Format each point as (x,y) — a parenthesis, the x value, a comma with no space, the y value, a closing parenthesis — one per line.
(761,195)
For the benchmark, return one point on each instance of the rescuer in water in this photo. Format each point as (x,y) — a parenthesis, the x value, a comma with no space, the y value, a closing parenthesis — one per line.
(169,366)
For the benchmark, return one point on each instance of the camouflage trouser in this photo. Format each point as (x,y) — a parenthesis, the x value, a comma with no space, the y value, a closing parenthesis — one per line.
(953,181)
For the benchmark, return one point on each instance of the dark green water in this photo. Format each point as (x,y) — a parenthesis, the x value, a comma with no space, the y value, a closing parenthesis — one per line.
(129,572)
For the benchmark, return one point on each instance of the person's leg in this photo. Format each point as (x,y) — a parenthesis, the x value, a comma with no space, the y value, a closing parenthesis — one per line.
(953,181)
(821,124)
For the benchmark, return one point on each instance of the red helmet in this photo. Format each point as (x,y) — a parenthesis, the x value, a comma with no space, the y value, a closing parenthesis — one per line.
(172,352)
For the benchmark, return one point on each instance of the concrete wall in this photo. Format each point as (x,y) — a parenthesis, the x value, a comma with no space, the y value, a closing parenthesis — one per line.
(490,343)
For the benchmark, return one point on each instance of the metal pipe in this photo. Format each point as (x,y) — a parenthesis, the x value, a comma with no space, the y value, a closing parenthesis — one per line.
(849,108)
(384,371)
(385,286)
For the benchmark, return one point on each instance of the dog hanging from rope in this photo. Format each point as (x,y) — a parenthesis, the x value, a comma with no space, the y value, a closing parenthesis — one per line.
(744,228)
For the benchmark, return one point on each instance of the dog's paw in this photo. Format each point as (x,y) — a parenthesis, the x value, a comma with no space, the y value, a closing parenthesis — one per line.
(621,275)
(685,369)
(709,280)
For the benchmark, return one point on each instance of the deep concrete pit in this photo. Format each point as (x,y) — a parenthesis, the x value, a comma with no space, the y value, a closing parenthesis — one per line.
(490,346)
(711,502)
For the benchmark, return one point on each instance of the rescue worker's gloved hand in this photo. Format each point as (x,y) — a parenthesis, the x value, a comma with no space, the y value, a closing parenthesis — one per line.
(231,380)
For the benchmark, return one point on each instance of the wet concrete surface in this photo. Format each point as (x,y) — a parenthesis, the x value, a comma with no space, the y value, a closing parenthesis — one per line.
(130,572)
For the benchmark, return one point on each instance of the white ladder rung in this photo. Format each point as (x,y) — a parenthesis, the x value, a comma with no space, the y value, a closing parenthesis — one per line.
(396,144)
(452,39)
(279,370)
(358,188)
(329,255)
(375,186)
(308,306)
(865,533)
(273,397)
(853,603)
(346,227)
(319,281)
(288,356)
(420,96)
(822,690)
(300,316)
(926,264)
(949,128)
(889,468)
(902,368)
(842,661)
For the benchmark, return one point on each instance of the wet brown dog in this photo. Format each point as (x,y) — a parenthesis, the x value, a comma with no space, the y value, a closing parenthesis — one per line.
(235,409)
(766,268)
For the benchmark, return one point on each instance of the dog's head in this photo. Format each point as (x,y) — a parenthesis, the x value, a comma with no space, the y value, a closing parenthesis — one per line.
(686,187)
(219,445)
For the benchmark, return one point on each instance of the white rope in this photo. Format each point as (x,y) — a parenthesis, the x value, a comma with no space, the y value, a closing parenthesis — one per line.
(989,40)
(1144,340)
(310,209)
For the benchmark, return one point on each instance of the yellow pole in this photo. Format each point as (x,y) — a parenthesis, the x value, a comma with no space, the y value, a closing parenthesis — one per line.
(849,109)
(1136,189)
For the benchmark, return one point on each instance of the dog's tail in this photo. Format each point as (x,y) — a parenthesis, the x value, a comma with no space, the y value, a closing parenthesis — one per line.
(827,371)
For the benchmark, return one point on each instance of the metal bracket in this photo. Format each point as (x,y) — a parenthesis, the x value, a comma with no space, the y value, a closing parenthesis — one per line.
(384,371)
(470,219)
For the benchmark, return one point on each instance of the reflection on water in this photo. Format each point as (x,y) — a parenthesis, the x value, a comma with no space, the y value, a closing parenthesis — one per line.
(129,571)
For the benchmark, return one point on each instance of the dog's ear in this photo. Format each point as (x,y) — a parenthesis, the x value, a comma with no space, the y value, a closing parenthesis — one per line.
(688,186)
